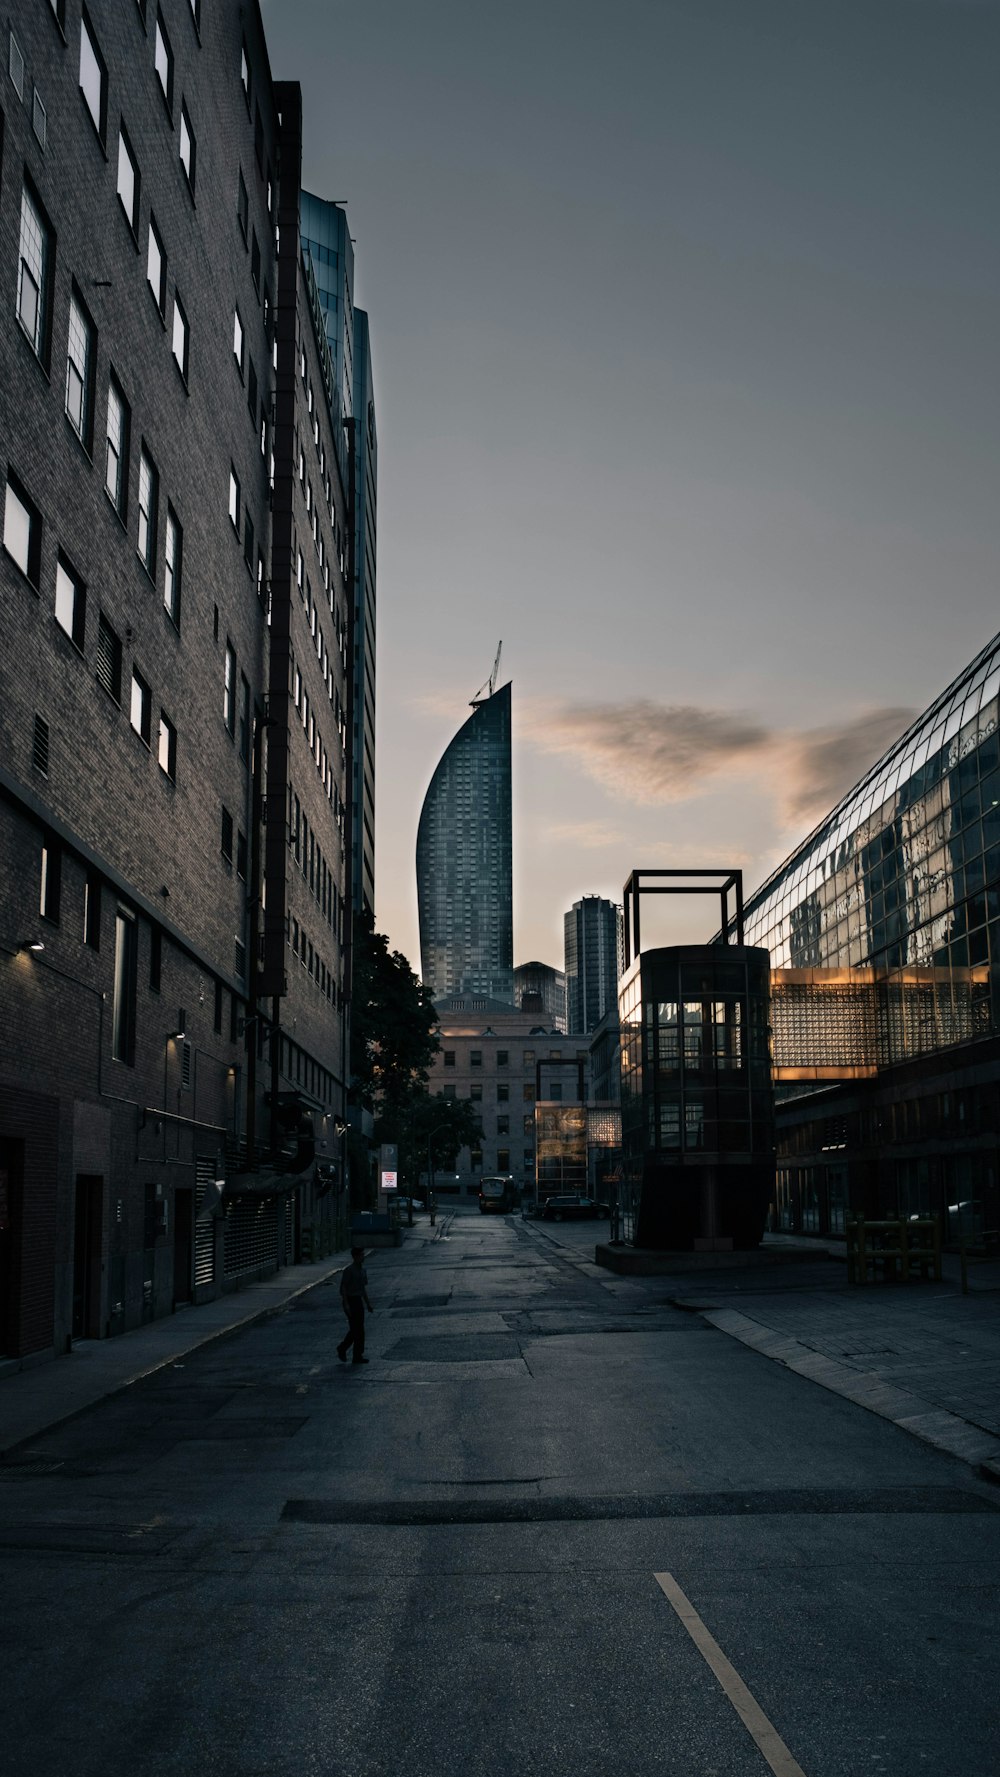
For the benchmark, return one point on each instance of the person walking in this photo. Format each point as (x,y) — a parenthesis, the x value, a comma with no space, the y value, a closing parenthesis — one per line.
(354,1296)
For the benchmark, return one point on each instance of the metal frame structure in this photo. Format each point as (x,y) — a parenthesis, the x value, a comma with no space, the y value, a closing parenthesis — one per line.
(635,887)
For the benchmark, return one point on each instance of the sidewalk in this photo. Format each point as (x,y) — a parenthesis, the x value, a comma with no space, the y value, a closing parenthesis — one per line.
(35,1399)
(920,1354)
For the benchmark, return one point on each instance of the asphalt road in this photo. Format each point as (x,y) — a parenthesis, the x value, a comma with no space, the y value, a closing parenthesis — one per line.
(262,1563)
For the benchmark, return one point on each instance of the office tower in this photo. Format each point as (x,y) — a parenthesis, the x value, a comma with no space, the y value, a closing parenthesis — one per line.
(329,250)
(175,520)
(593,938)
(541,990)
(464,878)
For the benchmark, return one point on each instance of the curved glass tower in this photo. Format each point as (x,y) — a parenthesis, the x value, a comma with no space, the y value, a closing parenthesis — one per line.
(464,877)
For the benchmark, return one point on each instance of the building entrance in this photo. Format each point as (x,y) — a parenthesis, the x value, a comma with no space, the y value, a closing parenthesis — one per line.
(87,1256)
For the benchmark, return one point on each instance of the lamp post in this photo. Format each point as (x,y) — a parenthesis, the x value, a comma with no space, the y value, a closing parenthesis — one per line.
(431,1133)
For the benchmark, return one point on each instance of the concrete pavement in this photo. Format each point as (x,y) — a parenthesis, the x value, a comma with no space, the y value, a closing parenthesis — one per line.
(921,1355)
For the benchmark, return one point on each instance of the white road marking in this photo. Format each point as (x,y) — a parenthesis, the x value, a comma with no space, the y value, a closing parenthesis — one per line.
(767,1738)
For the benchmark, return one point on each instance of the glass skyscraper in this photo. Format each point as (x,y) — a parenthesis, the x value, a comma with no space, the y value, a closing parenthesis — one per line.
(884,933)
(593,949)
(464,861)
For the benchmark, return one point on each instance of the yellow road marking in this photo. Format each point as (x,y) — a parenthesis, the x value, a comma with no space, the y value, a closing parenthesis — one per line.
(767,1738)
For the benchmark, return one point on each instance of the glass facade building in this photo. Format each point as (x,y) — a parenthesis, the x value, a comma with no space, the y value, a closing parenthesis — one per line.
(464,860)
(884,933)
(593,951)
(697,1120)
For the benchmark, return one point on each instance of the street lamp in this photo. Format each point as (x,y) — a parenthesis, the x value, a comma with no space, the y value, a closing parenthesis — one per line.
(430,1156)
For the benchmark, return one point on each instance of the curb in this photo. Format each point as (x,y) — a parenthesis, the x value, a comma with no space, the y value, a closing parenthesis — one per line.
(932,1425)
(173,1357)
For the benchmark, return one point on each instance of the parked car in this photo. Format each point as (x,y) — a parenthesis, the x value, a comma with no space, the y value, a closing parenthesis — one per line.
(571,1204)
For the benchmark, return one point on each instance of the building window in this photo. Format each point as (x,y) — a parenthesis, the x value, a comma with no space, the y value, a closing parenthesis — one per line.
(163,58)
(173,545)
(502,1058)
(71,602)
(109,659)
(123,1011)
(234,499)
(529,1057)
(227,836)
(166,751)
(80,356)
(229,690)
(503,1159)
(92,910)
(555,1089)
(529,1125)
(476,1092)
(50,887)
(22,531)
(93,77)
(128,182)
(528,1094)
(140,713)
(244,719)
(243,206)
(475,1058)
(239,343)
(245,72)
(503,1125)
(39,118)
(156,268)
(34,287)
(188,148)
(503,1094)
(116,468)
(15,66)
(182,337)
(148,495)
(255,262)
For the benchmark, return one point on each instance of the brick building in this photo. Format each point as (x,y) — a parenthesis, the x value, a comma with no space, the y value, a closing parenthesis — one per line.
(507,1065)
(175,714)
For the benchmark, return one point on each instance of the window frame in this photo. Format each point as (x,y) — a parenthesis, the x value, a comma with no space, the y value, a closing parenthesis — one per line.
(161,41)
(85,374)
(119,503)
(144,726)
(173,561)
(125,150)
(180,317)
(167,733)
(148,513)
(88,36)
(155,239)
(76,628)
(31,566)
(39,336)
(186,128)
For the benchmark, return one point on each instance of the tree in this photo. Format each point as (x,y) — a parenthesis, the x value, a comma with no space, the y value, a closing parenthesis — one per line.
(424,1126)
(393,1024)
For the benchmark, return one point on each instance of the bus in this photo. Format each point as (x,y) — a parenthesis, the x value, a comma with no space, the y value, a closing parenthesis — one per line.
(497,1195)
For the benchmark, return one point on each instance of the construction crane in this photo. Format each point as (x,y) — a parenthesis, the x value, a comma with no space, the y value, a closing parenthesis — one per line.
(491,683)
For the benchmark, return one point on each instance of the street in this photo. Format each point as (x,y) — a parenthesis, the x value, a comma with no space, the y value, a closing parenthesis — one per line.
(259,1562)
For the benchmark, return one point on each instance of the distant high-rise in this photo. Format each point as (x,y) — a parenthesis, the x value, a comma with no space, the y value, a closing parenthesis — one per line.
(464,875)
(540,988)
(593,930)
(329,250)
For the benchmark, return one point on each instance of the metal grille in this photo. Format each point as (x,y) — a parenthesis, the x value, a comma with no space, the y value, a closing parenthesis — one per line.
(204,1230)
(40,746)
(290,1255)
(251,1237)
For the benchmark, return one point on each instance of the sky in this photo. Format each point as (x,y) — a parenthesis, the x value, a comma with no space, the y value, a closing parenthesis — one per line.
(684,326)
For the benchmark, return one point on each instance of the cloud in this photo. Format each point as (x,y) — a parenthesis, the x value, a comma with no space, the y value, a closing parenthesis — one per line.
(823,763)
(657,754)
(588,835)
(644,751)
